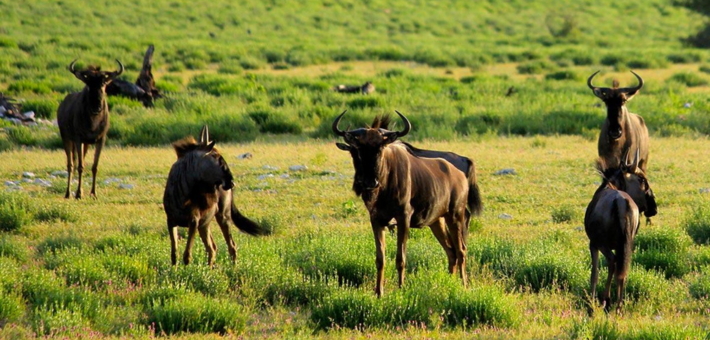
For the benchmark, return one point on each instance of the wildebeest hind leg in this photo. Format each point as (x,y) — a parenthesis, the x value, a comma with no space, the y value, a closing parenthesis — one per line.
(69,151)
(595,273)
(95,167)
(456,235)
(192,230)
(224,226)
(438,228)
(206,237)
(611,263)
(173,232)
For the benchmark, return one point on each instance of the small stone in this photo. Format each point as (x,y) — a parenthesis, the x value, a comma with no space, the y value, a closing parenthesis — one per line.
(43,182)
(687,105)
(705,190)
(112,180)
(263,177)
(125,186)
(246,155)
(28,174)
(578,228)
(14,188)
(284,176)
(297,168)
(10,184)
(269,167)
(508,171)
(60,173)
(26,180)
(29,115)
(505,216)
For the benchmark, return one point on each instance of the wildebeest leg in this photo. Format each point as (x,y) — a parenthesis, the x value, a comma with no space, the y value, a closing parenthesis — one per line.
(79,149)
(455,222)
(595,272)
(379,232)
(191,231)
(438,228)
(402,236)
(95,167)
(611,263)
(172,230)
(206,237)
(69,151)
(224,226)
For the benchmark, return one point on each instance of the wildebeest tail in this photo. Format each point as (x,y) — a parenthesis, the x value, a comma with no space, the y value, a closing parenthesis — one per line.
(246,225)
(474,194)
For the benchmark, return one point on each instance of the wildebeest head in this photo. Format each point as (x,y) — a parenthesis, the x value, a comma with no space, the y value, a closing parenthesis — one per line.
(207,147)
(632,180)
(93,77)
(366,145)
(615,98)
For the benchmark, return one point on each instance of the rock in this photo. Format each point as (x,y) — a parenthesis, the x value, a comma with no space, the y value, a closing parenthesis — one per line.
(29,115)
(269,167)
(263,177)
(14,188)
(125,186)
(284,176)
(60,173)
(43,182)
(112,180)
(10,184)
(297,168)
(28,174)
(246,155)
(705,190)
(579,228)
(26,180)
(687,105)
(508,171)
(505,216)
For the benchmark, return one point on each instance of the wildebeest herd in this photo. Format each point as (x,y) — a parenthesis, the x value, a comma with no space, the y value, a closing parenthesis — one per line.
(401,186)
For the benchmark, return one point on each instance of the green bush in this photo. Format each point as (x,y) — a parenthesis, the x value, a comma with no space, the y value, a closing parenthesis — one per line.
(14,214)
(688,79)
(535,67)
(564,214)
(57,320)
(43,108)
(697,224)
(24,86)
(22,135)
(704,69)
(250,63)
(700,284)
(684,58)
(670,263)
(564,75)
(196,313)
(12,308)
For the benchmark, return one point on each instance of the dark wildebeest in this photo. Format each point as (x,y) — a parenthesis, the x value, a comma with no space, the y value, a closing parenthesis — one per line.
(416,192)
(366,88)
(464,164)
(612,221)
(120,87)
(83,120)
(622,130)
(145,77)
(198,189)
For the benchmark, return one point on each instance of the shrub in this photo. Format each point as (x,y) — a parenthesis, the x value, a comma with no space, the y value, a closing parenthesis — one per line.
(551,270)
(534,67)
(663,239)
(700,284)
(564,213)
(230,67)
(11,308)
(21,86)
(21,135)
(10,247)
(7,42)
(697,225)
(684,58)
(688,79)
(704,69)
(57,320)
(195,313)
(43,108)
(564,75)
(250,63)
(670,263)
(13,212)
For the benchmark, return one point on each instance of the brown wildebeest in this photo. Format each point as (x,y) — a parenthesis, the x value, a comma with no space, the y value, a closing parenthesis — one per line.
(83,120)
(612,221)
(416,192)
(199,187)
(622,130)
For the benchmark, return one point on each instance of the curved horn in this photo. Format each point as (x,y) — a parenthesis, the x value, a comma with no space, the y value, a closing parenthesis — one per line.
(635,164)
(407,125)
(335,125)
(71,66)
(120,68)
(639,86)
(205,135)
(589,81)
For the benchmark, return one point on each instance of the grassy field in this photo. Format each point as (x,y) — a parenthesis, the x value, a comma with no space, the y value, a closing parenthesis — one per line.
(101,267)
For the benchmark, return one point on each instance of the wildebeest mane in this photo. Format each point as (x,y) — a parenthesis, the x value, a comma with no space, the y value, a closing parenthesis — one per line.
(382,122)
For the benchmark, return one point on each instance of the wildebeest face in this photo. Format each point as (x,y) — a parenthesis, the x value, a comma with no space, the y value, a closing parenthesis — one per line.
(615,98)
(632,180)
(93,77)
(365,146)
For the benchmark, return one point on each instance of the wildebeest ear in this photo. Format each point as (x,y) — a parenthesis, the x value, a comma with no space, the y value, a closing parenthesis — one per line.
(343,146)
(390,137)
(630,94)
(210,146)
(598,92)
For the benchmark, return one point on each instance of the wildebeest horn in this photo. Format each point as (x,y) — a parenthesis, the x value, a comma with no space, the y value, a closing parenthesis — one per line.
(635,164)
(589,81)
(638,87)
(205,135)
(335,125)
(120,68)
(407,125)
(71,66)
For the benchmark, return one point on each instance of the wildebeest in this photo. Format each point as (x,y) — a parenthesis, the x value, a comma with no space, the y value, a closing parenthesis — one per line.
(199,187)
(612,221)
(83,119)
(622,130)
(120,87)
(145,78)
(416,192)
(366,88)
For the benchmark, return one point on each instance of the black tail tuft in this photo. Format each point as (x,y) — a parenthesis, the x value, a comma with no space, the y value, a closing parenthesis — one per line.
(474,194)
(246,225)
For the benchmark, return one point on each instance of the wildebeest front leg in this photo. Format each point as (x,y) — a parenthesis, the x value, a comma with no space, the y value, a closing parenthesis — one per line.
(79,153)
(402,236)
(379,231)
(438,228)
(95,167)
(456,229)
(206,237)
(192,230)
(595,272)
(224,226)
(173,232)
(69,150)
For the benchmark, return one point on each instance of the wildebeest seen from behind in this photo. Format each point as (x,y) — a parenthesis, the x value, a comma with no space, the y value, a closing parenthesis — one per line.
(83,119)
(198,189)
(622,130)
(464,164)
(612,221)
(416,192)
